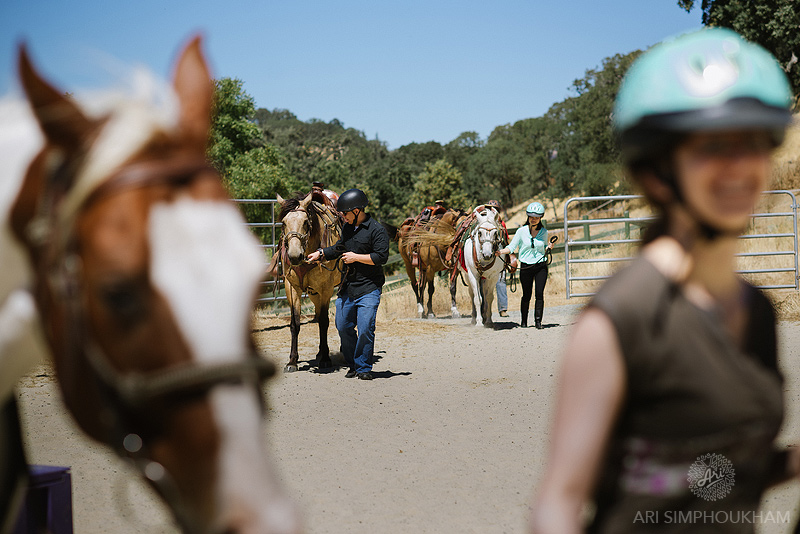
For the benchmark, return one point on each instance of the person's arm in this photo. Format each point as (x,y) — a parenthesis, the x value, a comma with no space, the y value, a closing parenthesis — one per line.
(379,254)
(380,247)
(591,391)
(329,253)
(352,257)
(512,247)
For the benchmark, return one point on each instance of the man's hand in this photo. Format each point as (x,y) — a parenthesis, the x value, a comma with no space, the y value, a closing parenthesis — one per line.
(314,256)
(352,257)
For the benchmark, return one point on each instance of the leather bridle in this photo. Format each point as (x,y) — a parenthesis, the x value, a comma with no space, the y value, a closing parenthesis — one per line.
(476,242)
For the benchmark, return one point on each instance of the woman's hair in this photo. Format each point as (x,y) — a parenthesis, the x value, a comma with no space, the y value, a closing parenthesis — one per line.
(534,233)
(661,168)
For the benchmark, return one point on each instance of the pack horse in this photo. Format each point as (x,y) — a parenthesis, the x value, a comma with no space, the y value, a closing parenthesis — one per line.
(421,252)
(124,259)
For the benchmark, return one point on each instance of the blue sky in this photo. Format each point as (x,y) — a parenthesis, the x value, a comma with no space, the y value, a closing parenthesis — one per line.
(410,71)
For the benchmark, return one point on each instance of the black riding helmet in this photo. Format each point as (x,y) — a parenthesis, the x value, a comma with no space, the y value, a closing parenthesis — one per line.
(352,199)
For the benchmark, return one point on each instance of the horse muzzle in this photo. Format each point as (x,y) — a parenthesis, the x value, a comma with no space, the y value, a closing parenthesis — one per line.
(487,250)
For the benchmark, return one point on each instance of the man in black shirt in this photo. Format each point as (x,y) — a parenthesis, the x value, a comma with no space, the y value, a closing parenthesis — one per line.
(364,248)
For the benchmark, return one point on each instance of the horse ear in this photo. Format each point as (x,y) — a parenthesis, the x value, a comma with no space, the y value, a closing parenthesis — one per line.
(62,122)
(306,201)
(281,201)
(195,90)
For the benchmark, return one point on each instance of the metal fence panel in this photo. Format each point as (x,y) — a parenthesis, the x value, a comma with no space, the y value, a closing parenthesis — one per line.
(775,240)
(269,235)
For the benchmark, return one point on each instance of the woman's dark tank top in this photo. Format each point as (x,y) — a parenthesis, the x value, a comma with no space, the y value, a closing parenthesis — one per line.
(692,450)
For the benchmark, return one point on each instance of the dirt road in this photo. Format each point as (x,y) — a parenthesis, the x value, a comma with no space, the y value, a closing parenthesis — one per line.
(449,438)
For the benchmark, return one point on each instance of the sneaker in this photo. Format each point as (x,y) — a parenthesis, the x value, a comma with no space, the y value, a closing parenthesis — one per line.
(351,373)
(503,313)
(365,376)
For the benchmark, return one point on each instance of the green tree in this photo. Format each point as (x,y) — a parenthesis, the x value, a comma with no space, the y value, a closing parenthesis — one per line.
(232,131)
(438,181)
(583,151)
(250,168)
(498,168)
(774,24)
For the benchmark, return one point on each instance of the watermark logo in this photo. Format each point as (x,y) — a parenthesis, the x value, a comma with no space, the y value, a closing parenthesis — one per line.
(711,477)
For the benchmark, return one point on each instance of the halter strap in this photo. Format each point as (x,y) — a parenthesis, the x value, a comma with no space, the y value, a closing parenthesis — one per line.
(136,391)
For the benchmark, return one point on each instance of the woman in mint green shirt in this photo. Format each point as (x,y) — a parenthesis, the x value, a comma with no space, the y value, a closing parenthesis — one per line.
(531,242)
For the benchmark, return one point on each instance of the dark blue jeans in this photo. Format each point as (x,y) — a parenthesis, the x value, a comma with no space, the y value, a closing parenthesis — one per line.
(355,321)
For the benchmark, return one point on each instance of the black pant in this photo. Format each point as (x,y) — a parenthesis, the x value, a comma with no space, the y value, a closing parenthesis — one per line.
(527,275)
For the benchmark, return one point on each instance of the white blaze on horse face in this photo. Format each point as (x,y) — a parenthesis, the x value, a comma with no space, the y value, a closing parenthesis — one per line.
(487,243)
(207,265)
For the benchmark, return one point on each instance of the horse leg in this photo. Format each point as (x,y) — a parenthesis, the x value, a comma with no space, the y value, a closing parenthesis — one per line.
(431,287)
(453,307)
(475,294)
(293,297)
(412,277)
(487,290)
(323,320)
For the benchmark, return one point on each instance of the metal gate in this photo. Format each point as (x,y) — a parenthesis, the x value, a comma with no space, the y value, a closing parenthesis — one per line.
(268,232)
(596,245)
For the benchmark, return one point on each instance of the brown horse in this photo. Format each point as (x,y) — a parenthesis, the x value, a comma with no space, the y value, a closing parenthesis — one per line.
(430,259)
(143,280)
(308,224)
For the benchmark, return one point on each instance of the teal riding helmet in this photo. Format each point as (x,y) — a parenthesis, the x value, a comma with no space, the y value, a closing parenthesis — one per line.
(535,208)
(709,80)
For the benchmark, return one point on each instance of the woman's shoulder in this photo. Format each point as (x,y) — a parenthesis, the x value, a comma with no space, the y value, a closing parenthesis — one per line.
(632,293)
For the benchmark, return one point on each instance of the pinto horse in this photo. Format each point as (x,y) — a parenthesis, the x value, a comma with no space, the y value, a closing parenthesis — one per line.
(479,262)
(124,258)
(429,257)
(309,223)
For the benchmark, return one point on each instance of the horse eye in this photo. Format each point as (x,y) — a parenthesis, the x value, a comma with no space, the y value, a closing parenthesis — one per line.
(125,300)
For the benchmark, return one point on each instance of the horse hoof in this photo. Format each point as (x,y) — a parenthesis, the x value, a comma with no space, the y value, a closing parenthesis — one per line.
(456,315)
(325,364)
(290,368)
(431,316)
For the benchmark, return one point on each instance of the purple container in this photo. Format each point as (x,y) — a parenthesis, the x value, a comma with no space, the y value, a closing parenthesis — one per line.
(48,501)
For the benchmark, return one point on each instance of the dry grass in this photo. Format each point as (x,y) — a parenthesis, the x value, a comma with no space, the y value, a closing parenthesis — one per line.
(786,160)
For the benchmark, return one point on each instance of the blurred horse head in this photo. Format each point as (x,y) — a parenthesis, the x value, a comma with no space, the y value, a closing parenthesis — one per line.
(144,278)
